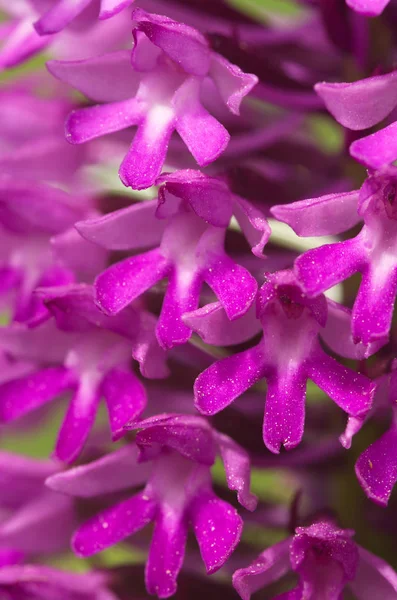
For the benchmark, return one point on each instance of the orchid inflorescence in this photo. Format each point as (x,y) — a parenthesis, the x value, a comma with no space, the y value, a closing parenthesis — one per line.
(188,191)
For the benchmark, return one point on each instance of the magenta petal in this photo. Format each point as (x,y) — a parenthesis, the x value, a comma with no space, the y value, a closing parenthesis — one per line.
(78,422)
(59,16)
(125,398)
(352,391)
(213,326)
(238,473)
(337,334)
(111,473)
(321,268)
(102,78)
(378,149)
(254,225)
(369,8)
(373,307)
(232,83)
(193,119)
(326,215)
(233,285)
(181,297)
(284,410)
(20,396)
(89,123)
(113,525)
(42,525)
(145,158)
(124,281)
(361,104)
(374,578)
(191,436)
(376,468)
(270,566)
(224,381)
(209,197)
(147,351)
(217,527)
(21,43)
(166,554)
(109,8)
(128,228)
(183,44)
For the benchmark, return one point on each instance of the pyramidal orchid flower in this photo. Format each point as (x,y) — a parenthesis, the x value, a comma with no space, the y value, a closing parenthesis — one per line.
(326,560)
(285,312)
(95,363)
(189,253)
(39,245)
(157,90)
(173,454)
(213,201)
(376,468)
(371,252)
(57,14)
(33,520)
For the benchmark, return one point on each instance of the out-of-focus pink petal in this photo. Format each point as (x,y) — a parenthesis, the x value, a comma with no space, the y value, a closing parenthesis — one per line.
(59,16)
(375,578)
(106,78)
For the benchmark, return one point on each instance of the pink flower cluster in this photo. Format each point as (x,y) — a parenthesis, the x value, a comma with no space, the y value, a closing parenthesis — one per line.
(211,282)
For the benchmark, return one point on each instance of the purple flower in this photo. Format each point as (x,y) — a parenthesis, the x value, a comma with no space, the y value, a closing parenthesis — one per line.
(159,93)
(326,560)
(285,313)
(62,12)
(190,253)
(371,252)
(33,520)
(173,453)
(39,246)
(376,468)
(94,361)
(31,142)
